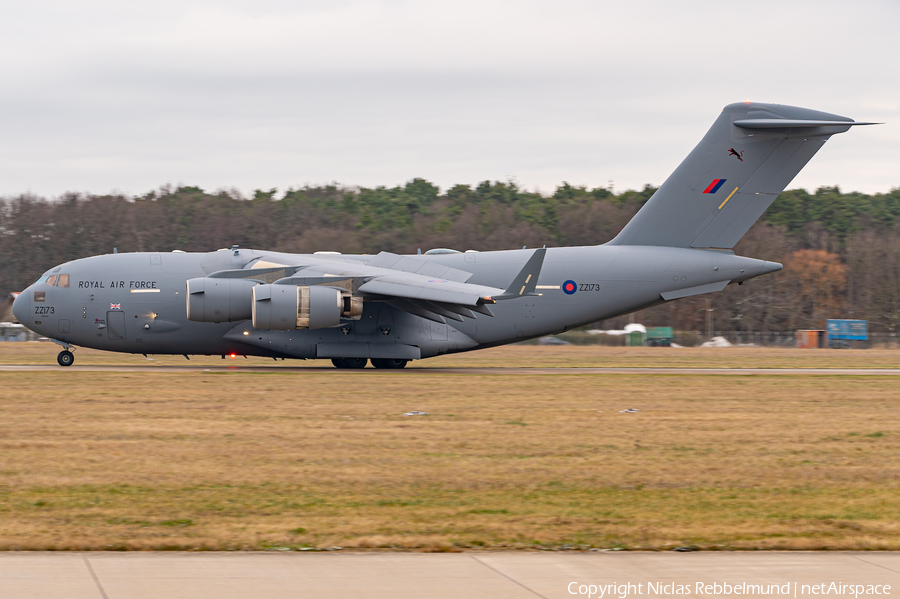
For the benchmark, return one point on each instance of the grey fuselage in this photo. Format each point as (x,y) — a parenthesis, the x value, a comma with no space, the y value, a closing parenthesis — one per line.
(405,308)
(136,302)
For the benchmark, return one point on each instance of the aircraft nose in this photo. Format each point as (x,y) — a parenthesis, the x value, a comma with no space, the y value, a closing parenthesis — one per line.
(22,306)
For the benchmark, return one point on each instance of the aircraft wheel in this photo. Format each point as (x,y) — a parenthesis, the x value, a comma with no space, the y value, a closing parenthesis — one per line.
(65,358)
(389,363)
(349,362)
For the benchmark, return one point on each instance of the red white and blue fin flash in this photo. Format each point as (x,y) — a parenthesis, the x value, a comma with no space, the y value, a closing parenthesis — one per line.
(714,186)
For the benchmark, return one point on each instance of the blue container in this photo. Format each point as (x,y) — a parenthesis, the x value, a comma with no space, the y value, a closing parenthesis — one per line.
(848,329)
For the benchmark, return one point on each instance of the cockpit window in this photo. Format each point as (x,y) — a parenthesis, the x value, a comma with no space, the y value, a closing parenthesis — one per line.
(43,279)
(63,281)
(39,296)
(52,280)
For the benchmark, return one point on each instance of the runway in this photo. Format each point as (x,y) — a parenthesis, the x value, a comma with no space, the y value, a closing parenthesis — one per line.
(486,370)
(509,575)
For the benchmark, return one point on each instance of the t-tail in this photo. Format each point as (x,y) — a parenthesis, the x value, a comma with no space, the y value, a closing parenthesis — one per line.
(750,154)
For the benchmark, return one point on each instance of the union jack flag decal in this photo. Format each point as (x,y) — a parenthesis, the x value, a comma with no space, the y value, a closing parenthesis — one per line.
(115,306)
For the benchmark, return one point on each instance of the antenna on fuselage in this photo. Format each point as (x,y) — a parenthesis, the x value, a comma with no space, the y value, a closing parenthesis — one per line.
(115,250)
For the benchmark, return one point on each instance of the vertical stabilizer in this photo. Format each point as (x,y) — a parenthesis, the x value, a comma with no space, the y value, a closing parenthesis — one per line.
(749,155)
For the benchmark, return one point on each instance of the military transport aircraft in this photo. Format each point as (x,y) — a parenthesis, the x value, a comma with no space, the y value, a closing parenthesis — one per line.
(390,309)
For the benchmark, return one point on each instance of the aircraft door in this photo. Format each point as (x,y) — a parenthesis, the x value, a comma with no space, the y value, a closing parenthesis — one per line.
(115,324)
(438,331)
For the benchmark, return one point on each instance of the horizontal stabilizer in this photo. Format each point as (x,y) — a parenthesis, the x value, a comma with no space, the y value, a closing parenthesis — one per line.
(792,123)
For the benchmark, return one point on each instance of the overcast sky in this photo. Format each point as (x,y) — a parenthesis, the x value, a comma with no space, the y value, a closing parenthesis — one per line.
(99,96)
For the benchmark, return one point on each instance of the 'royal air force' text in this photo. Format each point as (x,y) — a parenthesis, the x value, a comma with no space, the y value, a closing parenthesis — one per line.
(117,285)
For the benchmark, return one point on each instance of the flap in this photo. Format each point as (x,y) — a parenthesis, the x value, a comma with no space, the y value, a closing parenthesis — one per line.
(437,290)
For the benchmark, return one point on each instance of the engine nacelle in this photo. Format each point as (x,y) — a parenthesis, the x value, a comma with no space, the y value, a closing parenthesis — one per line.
(219,300)
(302,307)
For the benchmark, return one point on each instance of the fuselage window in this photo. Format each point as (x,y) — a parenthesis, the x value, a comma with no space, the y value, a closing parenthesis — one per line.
(63,281)
(52,280)
(39,296)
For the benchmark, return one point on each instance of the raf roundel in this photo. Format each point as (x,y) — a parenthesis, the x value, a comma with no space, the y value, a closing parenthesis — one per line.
(570,287)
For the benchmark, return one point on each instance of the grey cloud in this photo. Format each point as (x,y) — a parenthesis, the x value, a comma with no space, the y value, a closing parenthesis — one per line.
(111,96)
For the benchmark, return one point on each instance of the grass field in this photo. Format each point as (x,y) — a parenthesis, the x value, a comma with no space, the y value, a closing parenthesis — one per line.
(290,460)
(518,355)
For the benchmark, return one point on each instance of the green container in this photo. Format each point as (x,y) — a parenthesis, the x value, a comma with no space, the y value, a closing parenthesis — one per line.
(660,336)
(635,339)
(660,333)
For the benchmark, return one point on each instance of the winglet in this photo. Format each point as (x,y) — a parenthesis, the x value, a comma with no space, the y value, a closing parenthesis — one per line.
(524,283)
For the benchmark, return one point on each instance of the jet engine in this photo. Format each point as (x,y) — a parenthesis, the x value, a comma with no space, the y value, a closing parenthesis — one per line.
(302,306)
(219,300)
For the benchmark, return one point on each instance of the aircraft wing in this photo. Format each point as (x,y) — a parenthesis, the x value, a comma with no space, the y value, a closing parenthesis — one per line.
(439,298)
(421,287)
(426,296)
(410,264)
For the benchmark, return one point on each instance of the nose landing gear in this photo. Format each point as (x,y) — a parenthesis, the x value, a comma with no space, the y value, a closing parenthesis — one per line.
(65,358)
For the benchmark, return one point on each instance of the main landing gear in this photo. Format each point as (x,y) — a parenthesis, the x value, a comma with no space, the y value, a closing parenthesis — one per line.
(361,363)
(349,362)
(391,363)
(65,358)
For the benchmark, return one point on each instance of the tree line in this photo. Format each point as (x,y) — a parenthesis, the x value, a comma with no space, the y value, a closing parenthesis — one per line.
(841,251)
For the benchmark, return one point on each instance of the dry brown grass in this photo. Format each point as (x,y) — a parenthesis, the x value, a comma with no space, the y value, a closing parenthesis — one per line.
(529,356)
(247,460)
